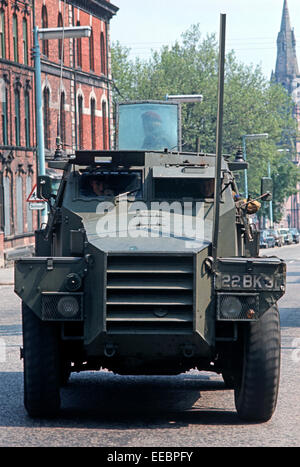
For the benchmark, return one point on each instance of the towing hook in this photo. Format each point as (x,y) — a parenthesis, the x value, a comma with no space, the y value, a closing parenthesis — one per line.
(209,264)
(89,258)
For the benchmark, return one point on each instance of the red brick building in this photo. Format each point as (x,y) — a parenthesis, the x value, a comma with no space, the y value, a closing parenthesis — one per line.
(76,85)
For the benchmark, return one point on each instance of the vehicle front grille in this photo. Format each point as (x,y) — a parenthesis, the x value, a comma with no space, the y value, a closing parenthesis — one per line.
(149,294)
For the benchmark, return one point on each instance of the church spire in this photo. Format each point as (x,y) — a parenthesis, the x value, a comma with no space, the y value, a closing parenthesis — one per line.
(285,20)
(286,64)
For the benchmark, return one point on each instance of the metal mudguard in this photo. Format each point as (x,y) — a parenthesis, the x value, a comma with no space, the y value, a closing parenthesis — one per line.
(43,278)
(257,282)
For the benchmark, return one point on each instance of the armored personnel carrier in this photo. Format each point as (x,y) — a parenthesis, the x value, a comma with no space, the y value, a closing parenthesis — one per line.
(149,264)
(127,274)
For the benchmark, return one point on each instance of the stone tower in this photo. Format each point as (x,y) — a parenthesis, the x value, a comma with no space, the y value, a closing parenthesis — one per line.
(286,71)
(287,74)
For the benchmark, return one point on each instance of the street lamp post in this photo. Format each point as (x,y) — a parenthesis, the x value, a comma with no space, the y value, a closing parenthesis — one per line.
(45,34)
(254,136)
(271,204)
(38,104)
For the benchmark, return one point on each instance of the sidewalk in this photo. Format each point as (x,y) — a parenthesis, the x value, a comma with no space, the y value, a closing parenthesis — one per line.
(7,276)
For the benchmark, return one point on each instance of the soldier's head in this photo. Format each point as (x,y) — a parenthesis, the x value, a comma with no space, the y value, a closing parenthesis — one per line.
(152,122)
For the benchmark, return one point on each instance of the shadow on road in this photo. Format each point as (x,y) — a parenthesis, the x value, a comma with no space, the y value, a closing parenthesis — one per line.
(10,330)
(289,317)
(107,401)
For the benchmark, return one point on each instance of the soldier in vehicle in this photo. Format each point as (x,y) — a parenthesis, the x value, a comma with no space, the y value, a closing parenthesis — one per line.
(99,186)
(208,188)
(154,137)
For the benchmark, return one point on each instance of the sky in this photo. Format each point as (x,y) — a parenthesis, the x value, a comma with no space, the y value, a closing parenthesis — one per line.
(252,26)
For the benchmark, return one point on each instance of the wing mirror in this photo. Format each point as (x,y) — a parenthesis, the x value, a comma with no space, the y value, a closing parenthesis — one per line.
(44,187)
(266,188)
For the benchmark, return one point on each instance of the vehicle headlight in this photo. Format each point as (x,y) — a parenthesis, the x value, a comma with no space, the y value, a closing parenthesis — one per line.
(231,307)
(68,307)
(238,307)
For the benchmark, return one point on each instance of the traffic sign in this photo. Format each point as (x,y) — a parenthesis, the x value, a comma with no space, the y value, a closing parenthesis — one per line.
(37,205)
(34,201)
(33,198)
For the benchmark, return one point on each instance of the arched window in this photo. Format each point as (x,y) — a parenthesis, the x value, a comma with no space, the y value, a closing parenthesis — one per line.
(62,123)
(93,123)
(19,204)
(45,47)
(46,101)
(25,41)
(79,50)
(2,34)
(80,122)
(4,116)
(92,56)
(103,54)
(27,118)
(104,125)
(60,42)
(29,211)
(7,189)
(17,118)
(15,38)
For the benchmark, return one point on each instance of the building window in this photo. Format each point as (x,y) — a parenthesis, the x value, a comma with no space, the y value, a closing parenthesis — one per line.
(79,50)
(103,54)
(4,117)
(46,101)
(93,123)
(80,122)
(92,56)
(15,38)
(62,123)
(7,204)
(29,211)
(27,118)
(19,204)
(104,125)
(45,47)
(2,34)
(25,41)
(17,118)
(60,42)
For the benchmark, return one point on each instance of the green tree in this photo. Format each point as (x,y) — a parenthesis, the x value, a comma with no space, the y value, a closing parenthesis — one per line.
(251,104)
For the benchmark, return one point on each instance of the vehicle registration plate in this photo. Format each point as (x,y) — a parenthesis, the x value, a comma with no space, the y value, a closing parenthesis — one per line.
(250,281)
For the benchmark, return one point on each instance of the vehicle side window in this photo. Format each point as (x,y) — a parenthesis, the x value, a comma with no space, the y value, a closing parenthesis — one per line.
(174,188)
(101,184)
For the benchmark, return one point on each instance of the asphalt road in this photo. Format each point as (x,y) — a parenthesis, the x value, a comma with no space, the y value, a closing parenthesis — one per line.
(190,410)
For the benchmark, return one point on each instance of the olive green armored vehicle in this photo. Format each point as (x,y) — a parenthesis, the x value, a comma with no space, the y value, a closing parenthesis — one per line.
(149,264)
(137,273)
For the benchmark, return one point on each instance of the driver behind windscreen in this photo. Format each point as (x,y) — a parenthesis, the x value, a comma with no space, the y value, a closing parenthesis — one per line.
(208,188)
(154,133)
(100,186)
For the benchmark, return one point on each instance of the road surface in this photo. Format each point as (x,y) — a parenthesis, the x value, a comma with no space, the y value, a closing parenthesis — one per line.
(190,410)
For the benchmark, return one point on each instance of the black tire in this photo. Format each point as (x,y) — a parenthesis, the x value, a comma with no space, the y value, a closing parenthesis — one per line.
(229,379)
(64,372)
(41,365)
(257,386)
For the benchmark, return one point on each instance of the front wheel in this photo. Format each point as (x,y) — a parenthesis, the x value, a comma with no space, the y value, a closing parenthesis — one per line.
(256,389)
(41,365)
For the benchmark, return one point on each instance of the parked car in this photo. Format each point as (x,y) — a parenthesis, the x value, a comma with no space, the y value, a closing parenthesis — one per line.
(266,239)
(279,238)
(296,235)
(288,237)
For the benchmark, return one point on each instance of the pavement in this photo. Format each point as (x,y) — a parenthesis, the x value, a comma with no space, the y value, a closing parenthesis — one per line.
(7,276)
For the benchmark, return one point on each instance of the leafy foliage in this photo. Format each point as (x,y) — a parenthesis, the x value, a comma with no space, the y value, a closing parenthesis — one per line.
(252,105)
